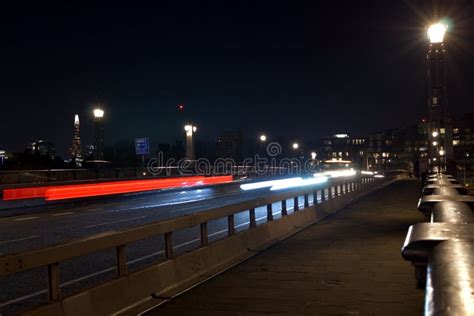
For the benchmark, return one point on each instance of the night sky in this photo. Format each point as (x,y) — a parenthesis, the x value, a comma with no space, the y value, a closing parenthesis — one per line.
(297,69)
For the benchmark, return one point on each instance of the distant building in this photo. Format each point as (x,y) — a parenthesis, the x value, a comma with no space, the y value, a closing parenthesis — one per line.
(229,145)
(75,150)
(396,148)
(41,148)
(171,152)
(463,144)
(3,157)
(89,152)
(342,147)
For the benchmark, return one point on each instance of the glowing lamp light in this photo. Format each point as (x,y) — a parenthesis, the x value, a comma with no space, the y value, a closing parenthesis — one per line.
(190,128)
(435,134)
(436,32)
(441,152)
(435,143)
(263,138)
(313,155)
(98,113)
(295,146)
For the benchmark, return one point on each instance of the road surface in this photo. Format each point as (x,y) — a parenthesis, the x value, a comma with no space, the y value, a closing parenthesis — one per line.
(48,227)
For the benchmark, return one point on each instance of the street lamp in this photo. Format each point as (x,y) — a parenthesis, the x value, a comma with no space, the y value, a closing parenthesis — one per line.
(263,138)
(98,113)
(295,146)
(313,155)
(98,133)
(190,130)
(440,123)
(436,32)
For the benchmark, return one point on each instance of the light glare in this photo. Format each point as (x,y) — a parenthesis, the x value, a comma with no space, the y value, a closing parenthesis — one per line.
(436,32)
(98,113)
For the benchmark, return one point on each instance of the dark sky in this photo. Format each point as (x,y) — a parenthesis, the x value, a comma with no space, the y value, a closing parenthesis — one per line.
(296,69)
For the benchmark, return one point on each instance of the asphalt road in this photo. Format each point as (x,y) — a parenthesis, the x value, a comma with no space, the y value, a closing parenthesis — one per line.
(346,264)
(48,227)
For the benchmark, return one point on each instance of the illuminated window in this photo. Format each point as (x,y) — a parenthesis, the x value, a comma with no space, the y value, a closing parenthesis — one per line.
(455,142)
(442,131)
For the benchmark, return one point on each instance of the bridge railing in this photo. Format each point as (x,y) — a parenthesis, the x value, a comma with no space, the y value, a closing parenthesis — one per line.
(442,251)
(52,257)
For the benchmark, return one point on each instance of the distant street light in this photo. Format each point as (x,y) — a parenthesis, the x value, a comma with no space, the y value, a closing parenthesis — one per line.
(313,155)
(263,138)
(435,143)
(98,113)
(190,130)
(435,134)
(295,146)
(98,134)
(441,152)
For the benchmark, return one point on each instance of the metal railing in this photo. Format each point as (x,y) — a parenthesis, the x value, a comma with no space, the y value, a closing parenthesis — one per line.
(442,251)
(52,257)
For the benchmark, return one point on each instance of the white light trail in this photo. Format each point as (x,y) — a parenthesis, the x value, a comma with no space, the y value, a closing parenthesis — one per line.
(298,182)
(337,173)
(264,184)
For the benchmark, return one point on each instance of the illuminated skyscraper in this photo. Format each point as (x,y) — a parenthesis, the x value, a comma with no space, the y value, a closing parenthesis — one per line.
(76,152)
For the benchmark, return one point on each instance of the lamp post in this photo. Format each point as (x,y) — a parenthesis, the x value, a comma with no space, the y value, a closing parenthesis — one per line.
(190,130)
(440,136)
(98,134)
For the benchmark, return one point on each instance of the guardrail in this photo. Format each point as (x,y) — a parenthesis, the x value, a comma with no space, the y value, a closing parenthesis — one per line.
(176,273)
(442,251)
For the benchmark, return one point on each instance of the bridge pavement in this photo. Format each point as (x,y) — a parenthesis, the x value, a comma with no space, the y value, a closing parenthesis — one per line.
(347,264)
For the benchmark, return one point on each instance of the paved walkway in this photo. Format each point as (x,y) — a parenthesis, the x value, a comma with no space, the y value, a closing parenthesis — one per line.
(347,264)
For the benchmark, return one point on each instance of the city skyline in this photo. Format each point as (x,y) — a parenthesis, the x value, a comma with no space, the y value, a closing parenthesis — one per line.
(275,71)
